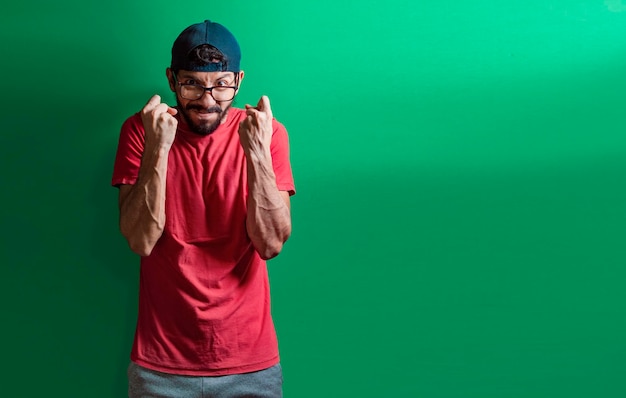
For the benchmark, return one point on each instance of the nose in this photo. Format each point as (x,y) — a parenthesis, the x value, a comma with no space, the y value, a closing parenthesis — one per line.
(206,100)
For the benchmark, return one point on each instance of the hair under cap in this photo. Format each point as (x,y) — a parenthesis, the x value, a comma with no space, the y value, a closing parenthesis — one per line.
(210,33)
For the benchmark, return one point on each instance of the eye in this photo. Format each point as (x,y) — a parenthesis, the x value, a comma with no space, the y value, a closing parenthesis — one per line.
(222,83)
(189,81)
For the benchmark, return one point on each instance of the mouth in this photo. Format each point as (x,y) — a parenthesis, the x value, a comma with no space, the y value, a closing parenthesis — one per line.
(204,113)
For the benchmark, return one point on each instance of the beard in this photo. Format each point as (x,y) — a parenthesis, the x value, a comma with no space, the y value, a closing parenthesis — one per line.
(202,128)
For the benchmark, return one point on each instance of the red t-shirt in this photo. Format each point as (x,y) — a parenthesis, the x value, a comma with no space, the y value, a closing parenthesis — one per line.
(204,299)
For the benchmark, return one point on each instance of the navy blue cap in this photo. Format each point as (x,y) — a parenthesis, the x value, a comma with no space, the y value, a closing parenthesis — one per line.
(211,33)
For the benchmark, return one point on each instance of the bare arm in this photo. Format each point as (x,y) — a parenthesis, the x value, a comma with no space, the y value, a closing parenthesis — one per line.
(268,219)
(142,205)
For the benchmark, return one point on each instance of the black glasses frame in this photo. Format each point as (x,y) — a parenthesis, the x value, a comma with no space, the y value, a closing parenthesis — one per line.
(209,89)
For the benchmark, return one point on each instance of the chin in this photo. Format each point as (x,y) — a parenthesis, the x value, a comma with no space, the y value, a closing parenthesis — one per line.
(205,128)
(203,125)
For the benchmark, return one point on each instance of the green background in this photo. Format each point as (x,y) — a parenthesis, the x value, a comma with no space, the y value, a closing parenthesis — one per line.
(460,219)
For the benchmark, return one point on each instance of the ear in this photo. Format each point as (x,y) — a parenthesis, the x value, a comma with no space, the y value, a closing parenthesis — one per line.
(170,78)
(240,79)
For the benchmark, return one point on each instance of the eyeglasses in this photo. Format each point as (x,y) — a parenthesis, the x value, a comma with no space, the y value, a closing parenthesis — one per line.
(193,91)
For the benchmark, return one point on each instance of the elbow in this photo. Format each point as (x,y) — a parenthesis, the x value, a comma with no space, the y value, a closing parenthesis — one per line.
(141,248)
(269,251)
(140,245)
(270,248)
(141,235)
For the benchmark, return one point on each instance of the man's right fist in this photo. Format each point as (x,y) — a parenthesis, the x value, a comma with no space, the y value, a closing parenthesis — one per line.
(159,122)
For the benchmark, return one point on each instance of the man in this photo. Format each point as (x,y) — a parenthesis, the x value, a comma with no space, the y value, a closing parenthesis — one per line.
(204,194)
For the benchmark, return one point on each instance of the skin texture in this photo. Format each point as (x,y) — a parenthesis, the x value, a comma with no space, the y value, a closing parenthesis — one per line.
(142,205)
(268,220)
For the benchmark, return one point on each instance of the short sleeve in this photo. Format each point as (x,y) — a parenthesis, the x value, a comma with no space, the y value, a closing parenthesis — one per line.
(129,152)
(280,159)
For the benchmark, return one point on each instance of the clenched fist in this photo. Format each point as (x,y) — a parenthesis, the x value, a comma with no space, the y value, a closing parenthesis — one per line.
(255,131)
(159,123)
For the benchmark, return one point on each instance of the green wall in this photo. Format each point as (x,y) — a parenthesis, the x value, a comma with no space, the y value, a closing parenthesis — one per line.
(460,218)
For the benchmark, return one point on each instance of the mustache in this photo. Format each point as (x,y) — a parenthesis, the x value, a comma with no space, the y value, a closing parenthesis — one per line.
(211,109)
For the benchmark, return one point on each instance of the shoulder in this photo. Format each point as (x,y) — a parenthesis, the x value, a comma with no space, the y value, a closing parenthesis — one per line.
(132,133)
(279,132)
(133,121)
(133,126)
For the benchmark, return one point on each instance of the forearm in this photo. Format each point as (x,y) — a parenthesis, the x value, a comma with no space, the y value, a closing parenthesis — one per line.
(269,218)
(142,209)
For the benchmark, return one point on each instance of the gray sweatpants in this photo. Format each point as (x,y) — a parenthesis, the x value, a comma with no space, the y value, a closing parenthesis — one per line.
(147,383)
